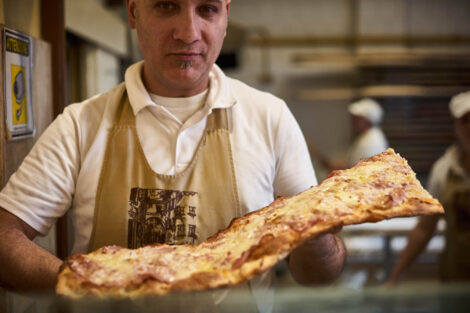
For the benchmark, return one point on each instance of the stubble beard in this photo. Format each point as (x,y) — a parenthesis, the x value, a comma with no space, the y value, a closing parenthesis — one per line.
(185,64)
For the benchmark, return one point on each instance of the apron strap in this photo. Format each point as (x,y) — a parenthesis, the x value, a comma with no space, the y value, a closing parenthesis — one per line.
(218,120)
(124,114)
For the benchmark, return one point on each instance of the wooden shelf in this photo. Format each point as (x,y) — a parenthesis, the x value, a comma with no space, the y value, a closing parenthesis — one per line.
(309,40)
(317,94)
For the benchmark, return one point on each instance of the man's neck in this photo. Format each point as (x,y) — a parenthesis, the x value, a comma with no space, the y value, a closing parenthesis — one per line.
(170,90)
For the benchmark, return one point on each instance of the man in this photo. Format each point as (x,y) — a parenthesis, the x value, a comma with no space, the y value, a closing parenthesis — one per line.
(366,115)
(449,181)
(171,155)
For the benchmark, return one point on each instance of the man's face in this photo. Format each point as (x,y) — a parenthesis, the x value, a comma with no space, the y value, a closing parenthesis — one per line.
(359,124)
(180,41)
(462,129)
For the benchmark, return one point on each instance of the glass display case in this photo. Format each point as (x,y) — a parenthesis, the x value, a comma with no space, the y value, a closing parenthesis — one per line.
(406,298)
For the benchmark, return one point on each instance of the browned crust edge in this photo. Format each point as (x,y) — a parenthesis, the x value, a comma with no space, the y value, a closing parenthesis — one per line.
(259,257)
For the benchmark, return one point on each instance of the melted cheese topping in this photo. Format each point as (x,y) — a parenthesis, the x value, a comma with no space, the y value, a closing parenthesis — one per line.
(376,184)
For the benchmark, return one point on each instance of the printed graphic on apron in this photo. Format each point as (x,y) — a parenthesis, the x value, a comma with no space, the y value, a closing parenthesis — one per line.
(161,216)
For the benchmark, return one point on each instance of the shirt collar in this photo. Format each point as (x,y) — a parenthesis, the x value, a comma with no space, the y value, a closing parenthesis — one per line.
(220,94)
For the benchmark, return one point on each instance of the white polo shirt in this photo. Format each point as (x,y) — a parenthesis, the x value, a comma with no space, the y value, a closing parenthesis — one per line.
(62,170)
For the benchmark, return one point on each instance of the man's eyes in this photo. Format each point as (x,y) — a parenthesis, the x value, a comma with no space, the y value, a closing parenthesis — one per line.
(208,10)
(205,10)
(165,5)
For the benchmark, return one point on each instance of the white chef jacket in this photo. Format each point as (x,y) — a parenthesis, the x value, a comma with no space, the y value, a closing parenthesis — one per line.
(367,144)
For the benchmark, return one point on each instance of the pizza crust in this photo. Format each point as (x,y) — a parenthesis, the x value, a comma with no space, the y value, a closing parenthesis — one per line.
(377,188)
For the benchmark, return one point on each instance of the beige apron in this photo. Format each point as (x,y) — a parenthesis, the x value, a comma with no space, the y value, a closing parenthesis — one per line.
(136,206)
(184,208)
(455,260)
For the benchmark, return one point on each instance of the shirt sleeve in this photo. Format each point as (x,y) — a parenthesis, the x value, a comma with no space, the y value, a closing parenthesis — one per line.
(294,169)
(42,188)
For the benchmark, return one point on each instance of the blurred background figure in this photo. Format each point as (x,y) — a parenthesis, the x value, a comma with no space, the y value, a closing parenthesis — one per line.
(449,181)
(366,115)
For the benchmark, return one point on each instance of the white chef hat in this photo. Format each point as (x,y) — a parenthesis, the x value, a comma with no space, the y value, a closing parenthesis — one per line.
(367,108)
(460,104)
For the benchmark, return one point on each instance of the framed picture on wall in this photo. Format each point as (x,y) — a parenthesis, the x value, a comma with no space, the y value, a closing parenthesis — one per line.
(17,50)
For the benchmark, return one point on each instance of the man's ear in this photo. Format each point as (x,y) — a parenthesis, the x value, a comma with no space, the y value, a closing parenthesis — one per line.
(131,12)
(227,6)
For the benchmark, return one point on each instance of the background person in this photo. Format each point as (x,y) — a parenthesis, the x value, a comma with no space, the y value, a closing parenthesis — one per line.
(449,181)
(366,115)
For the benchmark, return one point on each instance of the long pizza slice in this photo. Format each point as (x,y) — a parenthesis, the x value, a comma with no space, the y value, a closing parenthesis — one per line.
(380,187)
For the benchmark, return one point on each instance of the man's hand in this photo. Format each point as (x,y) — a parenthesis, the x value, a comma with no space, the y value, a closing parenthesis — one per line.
(24,265)
(319,260)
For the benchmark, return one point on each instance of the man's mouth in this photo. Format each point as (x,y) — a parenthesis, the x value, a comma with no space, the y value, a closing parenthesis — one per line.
(186,56)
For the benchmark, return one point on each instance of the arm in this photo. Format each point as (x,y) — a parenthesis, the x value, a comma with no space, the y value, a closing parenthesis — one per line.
(318,261)
(417,241)
(328,164)
(25,265)
(323,159)
(321,259)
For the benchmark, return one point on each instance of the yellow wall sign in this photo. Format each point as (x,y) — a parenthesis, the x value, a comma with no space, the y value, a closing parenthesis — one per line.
(17,45)
(17,77)
(19,92)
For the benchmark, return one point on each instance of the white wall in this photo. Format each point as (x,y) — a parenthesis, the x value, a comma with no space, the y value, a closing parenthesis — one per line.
(383,17)
(22,15)
(100,71)
(294,17)
(332,17)
(439,17)
(91,21)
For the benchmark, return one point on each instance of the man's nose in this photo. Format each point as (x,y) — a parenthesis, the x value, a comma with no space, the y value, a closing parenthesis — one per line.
(187,28)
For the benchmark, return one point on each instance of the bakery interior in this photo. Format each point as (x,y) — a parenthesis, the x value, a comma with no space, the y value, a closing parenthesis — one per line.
(411,56)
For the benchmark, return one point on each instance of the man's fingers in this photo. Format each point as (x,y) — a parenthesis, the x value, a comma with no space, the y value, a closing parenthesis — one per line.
(336,229)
